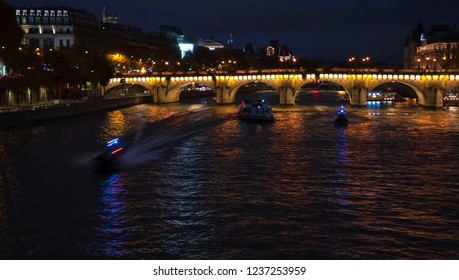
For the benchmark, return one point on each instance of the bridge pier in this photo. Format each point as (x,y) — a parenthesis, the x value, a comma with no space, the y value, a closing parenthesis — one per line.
(223,94)
(286,95)
(160,94)
(433,97)
(359,96)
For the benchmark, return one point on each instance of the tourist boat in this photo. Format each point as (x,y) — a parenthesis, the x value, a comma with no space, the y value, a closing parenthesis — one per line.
(341,119)
(196,90)
(384,96)
(255,110)
(451,99)
(109,158)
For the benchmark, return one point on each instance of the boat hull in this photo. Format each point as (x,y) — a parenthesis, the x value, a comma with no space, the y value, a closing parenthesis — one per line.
(256,118)
(255,111)
(341,121)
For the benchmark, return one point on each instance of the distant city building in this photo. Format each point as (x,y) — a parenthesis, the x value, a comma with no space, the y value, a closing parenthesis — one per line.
(286,54)
(52,27)
(435,48)
(109,18)
(175,34)
(412,42)
(2,69)
(249,48)
(230,40)
(270,51)
(128,35)
(210,44)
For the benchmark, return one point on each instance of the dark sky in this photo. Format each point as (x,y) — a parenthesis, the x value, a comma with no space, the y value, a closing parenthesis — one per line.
(327,29)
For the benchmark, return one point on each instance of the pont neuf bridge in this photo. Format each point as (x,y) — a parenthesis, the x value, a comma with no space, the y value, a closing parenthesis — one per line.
(429,86)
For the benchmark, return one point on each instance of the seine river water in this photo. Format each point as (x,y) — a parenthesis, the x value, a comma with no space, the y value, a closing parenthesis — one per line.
(384,187)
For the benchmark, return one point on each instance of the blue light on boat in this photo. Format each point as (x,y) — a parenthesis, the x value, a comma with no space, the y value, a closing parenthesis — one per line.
(112,142)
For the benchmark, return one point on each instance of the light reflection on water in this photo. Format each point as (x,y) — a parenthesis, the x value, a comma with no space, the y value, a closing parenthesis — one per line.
(111,230)
(384,187)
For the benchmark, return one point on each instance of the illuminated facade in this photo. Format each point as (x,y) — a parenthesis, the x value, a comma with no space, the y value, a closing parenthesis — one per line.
(211,44)
(52,27)
(270,51)
(2,69)
(435,49)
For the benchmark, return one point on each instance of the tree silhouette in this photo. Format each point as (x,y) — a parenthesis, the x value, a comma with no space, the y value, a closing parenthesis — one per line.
(10,34)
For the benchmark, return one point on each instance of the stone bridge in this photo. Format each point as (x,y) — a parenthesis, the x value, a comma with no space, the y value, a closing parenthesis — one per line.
(428,86)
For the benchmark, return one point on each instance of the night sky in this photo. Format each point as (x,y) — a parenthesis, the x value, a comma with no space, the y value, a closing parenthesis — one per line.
(326,29)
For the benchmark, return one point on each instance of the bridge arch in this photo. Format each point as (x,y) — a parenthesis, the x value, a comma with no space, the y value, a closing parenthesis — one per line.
(453,86)
(174,90)
(238,86)
(126,89)
(343,85)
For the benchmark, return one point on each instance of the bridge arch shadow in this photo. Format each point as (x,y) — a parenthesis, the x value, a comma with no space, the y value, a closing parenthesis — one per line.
(255,89)
(127,89)
(186,89)
(323,91)
(408,90)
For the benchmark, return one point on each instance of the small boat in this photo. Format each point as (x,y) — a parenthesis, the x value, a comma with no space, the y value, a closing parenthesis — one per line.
(255,110)
(109,158)
(341,119)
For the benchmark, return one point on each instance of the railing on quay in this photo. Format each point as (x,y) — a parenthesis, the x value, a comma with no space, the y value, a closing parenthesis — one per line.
(40,106)
(60,103)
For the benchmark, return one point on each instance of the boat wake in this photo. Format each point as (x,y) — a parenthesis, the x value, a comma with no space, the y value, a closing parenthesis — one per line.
(153,142)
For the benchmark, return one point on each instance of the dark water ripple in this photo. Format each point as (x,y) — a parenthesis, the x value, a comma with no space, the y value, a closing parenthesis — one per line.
(385,187)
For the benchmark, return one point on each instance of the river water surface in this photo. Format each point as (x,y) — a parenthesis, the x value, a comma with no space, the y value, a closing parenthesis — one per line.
(384,187)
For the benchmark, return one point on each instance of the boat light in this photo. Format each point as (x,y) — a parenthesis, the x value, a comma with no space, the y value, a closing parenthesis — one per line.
(112,142)
(117,150)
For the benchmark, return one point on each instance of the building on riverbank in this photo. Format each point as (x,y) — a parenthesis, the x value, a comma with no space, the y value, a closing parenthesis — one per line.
(53,27)
(436,48)
(55,34)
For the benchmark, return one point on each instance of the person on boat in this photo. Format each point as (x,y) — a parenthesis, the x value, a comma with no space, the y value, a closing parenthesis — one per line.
(341,117)
(109,157)
(341,111)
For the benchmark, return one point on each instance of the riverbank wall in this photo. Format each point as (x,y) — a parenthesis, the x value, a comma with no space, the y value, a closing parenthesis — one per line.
(34,114)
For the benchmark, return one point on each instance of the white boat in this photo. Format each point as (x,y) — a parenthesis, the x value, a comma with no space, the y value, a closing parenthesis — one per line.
(451,99)
(384,96)
(255,110)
